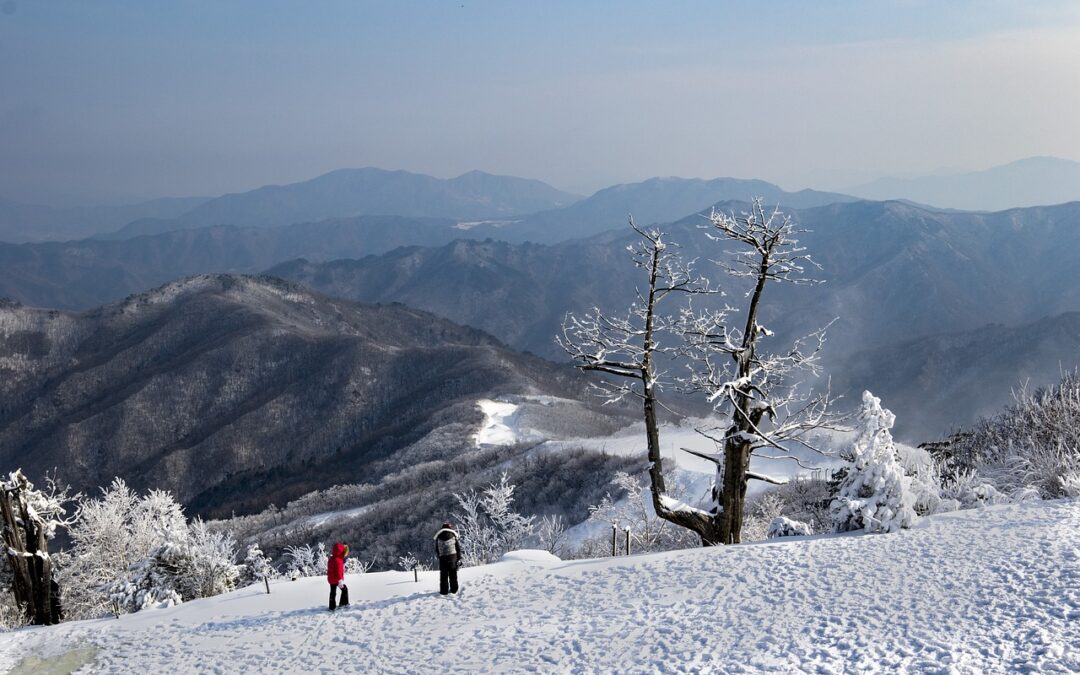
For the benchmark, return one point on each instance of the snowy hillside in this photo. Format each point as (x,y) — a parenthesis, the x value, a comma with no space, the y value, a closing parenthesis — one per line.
(987,590)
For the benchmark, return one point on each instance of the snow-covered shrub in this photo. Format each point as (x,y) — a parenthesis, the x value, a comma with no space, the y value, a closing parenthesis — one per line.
(257,566)
(1034,442)
(760,514)
(925,479)
(969,490)
(112,535)
(632,508)
(354,565)
(786,527)
(551,532)
(199,563)
(409,562)
(1070,484)
(302,561)
(322,559)
(489,527)
(875,493)
(148,586)
(206,565)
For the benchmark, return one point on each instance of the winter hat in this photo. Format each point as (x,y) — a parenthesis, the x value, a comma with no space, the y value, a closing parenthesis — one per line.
(448,525)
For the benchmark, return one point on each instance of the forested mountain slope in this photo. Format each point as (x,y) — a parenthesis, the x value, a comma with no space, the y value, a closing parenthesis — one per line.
(234,392)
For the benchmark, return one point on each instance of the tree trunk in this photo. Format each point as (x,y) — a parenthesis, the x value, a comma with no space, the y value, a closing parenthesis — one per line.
(28,554)
(736,464)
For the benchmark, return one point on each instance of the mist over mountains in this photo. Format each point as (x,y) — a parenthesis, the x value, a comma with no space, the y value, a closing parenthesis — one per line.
(355,192)
(893,273)
(1027,182)
(29,223)
(86,273)
(909,286)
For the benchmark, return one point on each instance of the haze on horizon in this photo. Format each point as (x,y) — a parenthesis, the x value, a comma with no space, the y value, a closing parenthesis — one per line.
(120,101)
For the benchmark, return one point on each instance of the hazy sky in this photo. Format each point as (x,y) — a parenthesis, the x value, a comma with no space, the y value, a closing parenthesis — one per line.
(104,100)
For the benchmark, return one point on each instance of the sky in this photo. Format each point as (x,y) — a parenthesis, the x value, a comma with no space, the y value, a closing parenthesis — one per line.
(111,101)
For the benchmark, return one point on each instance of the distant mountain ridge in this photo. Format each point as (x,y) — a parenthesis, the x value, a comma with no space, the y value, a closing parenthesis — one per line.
(657,200)
(369,191)
(1035,181)
(83,274)
(894,272)
(29,223)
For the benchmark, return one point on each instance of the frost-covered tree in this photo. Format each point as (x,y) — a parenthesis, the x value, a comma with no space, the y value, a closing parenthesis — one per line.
(551,532)
(488,524)
(257,567)
(31,517)
(755,390)
(302,561)
(631,508)
(409,563)
(111,537)
(205,564)
(875,493)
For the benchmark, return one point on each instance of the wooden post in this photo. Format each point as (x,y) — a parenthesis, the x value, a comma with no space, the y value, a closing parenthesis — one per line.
(614,539)
(416,573)
(627,540)
(266,580)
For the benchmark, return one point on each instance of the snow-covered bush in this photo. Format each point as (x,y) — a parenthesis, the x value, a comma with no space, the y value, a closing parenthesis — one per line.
(631,507)
(198,564)
(148,586)
(786,527)
(354,565)
(409,562)
(1070,484)
(1032,443)
(257,566)
(760,515)
(110,539)
(302,561)
(206,565)
(489,527)
(875,493)
(551,532)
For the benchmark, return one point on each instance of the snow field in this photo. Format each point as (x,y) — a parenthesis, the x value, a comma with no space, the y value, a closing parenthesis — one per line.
(990,590)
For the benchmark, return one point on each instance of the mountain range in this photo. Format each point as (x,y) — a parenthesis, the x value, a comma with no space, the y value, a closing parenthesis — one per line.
(344,193)
(235,392)
(89,272)
(893,273)
(1033,181)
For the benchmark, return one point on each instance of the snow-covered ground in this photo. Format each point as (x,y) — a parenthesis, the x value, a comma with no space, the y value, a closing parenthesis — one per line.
(992,590)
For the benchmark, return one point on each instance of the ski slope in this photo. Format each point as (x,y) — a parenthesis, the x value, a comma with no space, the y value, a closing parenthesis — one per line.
(992,590)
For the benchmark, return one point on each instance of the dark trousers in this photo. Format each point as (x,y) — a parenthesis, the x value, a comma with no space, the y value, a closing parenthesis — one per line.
(448,574)
(333,596)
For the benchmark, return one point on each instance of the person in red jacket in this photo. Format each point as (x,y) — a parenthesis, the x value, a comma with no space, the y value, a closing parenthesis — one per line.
(335,575)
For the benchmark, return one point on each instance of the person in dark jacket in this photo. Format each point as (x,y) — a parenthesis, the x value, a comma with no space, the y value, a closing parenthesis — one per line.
(448,548)
(335,575)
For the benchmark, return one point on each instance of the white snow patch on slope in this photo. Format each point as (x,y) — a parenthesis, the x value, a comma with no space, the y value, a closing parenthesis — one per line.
(500,425)
(992,590)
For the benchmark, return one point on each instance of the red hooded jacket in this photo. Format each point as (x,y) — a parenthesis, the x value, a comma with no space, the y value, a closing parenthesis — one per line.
(335,566)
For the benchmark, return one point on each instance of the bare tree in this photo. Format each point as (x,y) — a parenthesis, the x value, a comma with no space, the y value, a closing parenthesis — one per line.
(626,349)
(753,390)
(756,390)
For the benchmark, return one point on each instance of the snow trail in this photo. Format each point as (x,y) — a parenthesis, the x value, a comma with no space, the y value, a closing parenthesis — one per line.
(991,590)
